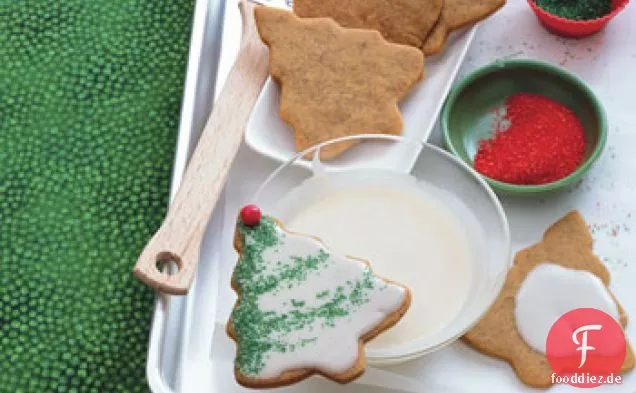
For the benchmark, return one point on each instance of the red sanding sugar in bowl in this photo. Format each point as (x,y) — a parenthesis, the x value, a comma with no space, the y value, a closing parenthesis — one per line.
(537,141)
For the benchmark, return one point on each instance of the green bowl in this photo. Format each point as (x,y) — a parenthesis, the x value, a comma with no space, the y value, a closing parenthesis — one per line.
(468,111)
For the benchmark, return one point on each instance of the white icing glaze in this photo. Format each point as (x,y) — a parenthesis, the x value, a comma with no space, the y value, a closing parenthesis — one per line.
(334,348)
(551,290)
(404,230)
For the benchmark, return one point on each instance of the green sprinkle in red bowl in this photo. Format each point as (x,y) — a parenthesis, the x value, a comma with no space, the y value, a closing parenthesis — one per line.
(572,27)
(470,115)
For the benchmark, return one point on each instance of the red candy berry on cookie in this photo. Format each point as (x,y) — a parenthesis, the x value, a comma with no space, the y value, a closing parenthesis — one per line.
(250,215)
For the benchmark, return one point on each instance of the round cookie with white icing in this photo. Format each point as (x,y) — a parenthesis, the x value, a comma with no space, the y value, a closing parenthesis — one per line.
(302,309)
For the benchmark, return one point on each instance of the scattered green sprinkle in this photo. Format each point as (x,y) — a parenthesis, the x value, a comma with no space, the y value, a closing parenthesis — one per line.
(297,303)
(322,294)
(307,341)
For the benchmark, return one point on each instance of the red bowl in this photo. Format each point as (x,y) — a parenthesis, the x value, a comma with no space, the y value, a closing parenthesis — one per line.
(575,28)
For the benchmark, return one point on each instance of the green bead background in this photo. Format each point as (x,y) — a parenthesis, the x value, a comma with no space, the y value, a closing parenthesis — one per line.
(89,104)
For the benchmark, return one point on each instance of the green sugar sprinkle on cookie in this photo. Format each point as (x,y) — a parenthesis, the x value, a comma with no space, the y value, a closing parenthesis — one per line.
(322,294)
(297,303)
(264,271)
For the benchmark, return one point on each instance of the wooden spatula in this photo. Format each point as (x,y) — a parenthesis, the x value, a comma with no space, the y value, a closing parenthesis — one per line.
(179,238)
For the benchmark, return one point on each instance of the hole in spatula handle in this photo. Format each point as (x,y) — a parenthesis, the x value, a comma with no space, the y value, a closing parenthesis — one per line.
(167,271)
(168,263)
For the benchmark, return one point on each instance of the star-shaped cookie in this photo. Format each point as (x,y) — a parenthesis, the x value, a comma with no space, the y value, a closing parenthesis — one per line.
(567,243)
(334,81)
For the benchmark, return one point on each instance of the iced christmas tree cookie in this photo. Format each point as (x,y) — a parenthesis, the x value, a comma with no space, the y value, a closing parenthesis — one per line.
(301,309)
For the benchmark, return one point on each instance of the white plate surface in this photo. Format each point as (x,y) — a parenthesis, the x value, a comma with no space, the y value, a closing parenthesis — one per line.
(267,134)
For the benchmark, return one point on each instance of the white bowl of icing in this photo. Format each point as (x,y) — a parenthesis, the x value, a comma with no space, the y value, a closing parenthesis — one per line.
(439,230)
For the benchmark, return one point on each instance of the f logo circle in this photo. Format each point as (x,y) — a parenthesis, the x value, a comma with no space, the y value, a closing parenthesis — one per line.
(586,347)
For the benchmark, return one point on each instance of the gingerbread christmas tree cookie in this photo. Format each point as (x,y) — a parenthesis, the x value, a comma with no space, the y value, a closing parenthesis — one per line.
(336,82)
(301,309)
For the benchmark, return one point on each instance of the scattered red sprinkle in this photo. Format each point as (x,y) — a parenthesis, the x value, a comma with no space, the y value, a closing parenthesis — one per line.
(544,142)
(615,231)
(250,215)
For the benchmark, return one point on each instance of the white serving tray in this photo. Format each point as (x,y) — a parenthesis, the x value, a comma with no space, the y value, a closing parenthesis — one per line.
(187,334)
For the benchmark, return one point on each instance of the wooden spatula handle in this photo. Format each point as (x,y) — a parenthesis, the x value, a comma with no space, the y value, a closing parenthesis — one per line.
(179,238)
